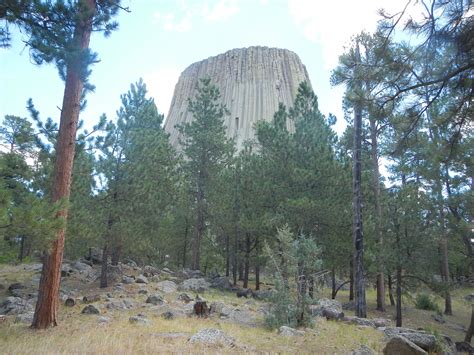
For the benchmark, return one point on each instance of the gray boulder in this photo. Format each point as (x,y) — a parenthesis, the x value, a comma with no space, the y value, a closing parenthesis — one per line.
(104,320)
(330,309)
(363,350)
(155,299)
(141,279)
(139,319)
(184,297)
(167,286)
(15,305)
(422,339)
(90,309)
(195,285)
(25,317)
(150,271)
(128,280)
(359,321)
(290,332)
(114,304)
(402,346)
(212,336)
(221,283)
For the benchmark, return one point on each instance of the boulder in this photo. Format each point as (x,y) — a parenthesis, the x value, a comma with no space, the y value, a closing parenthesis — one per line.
(25,317)
(150,271)
(184,297)
(196,285)
(90,309)
(155,299)
(216,308)
(381,322)
(33,267)
(221,283)
(104,320)
(331,309)
(167,286)
(139,319)
(143,291)
(363,350)
(246,292)
(421,338)
(15,289)
(402,346)
(290,332)
(128,280)
(114,304)
(91,298)
(70,302)
(141,279)
(359,321)
(128,303)
(212,336)
(15,305)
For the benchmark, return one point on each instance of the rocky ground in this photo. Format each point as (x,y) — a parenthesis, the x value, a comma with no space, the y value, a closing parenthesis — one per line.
(151,310)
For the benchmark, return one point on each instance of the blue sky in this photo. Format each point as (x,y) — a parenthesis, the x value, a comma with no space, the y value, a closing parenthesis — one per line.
(160,38)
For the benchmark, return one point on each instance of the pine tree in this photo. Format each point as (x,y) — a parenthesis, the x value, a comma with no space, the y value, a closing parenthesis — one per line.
(207,151)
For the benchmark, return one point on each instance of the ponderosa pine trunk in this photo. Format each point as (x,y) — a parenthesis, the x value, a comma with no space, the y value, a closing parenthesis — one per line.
(48,293)
(247,260)
(358,237)
(227,255)
(390,289)
(257,266)
(200,225)
(378,214)
(103,270)
(333,283)
(399,297)
(470,331)
(185,244)
(351,280)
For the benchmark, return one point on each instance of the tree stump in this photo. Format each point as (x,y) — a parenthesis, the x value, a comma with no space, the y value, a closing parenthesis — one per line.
(70,302)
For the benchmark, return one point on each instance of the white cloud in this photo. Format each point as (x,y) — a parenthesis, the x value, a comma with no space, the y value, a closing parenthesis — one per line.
(222,11)
(160,85)
(187,11)
(333,23)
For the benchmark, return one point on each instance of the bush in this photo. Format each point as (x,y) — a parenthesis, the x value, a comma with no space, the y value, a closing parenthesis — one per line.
(283,310)
(424,301)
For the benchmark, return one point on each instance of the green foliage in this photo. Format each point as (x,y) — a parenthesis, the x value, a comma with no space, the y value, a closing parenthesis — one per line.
(425,302)
(283,310)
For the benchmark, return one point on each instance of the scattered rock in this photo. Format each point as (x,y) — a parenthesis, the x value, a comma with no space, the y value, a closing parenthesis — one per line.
(143,291)
(184,297)
(139,319)
(263,294)
(168,315)
(363,350)
(464,347)
(167,286)
(33,267)
(25,317)
(14,287)
(141,279)
(128,280)
(290,332)
(240,316)
(114,304)
(128,303)
(90,309)
(91,298)
(221,283)
(331,309)
(216,308)
(381,322)
(403,346)
(155,299)
(70,302)
(196,285)
(359,321)
(212,336)
(150,271)
(422,339)
(104,320)
(15,305)
(154,278)
(247,292)
(438,318)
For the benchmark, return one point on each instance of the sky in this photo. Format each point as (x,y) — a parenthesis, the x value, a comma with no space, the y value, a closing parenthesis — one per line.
(158,39)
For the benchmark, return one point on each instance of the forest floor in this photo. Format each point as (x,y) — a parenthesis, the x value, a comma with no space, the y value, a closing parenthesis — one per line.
(80,333)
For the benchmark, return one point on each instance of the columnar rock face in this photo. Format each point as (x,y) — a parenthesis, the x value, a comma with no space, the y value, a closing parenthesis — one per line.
(252,81)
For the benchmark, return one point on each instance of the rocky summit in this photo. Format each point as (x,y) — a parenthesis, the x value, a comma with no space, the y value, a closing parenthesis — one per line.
(252,82)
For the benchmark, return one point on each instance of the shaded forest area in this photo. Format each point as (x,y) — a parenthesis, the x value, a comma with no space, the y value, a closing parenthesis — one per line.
(289,207)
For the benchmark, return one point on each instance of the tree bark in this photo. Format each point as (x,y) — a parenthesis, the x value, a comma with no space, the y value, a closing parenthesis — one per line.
(200,225)
(257,266)
(378,214)
(48,292)
(470,331)
(185,244)
(103,270)
(448,309)
(390,290)
(227,255)
(399,297)
(247,260)
(351,280)
(333,283)
(358,236)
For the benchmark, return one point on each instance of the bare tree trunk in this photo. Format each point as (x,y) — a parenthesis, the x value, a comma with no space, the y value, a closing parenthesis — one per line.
(390,290)
(301,293)
(48,292)
(21,254)
(399,296)
(470,331)
(360,302)
(247,260)
(333,283)
(351,280)
(448,309)
(257,266)
(227,255)
(185,244)
(103,271)
(200,225)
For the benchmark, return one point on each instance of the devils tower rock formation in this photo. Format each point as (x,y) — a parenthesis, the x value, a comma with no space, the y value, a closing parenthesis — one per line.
(252,81)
